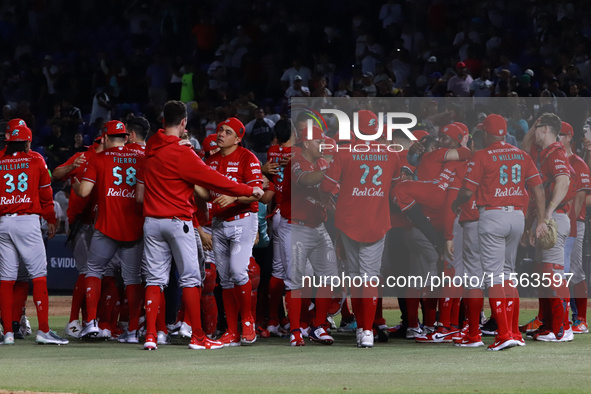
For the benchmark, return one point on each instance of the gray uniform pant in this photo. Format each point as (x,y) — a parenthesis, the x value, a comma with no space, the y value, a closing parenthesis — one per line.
(422,258)
(21,240)
(232,248)
(80,246)
(103,249)
(555,255)
(471,256)
(363,258)
(576,255)
(165,239)
(499,233)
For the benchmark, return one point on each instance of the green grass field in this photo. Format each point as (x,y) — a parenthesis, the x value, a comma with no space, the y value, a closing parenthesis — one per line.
(271,365)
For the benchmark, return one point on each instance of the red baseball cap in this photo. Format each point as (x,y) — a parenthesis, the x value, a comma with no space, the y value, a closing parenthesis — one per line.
(566,129)
(463,127)
(12,123)
(495,125)
(210,142)
(460,65)
(235,124)
(19,134)
(419,134)
(317,134)
(114,127)
(453,131)
(330,141)
(368,122)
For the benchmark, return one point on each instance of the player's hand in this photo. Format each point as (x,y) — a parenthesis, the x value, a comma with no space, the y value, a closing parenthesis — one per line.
(449,249)
(464,141)
(532,238)
(185,143)
(257,192)
(524,241)
(416,149)
(50,230)
(76,186)
(223,200)
(284,160)
(455,207)
(587,144)
(206,240)
(270,168)
(79,161)
(256,240)
(265,182)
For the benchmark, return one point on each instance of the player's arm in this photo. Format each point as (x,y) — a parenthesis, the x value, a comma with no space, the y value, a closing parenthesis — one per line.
(464,195)
(60,172)
(140,189)
(461,153)
(311,178)
(83,189)
(202,193)
(540,200)
(580,199)
(561,183)
(46,201)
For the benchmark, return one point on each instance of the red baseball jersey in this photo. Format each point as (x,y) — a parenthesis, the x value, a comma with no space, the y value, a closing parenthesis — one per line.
(241,166)
(113,171)
(498,175)
(169,172)
(25,186)
(78,207)
(138,148)
(581,169)
(553,162)
(301,203)
(275,154)
(365,180)
(469,210)
(431,164)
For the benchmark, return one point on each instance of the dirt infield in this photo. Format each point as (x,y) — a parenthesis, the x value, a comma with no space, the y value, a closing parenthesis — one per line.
(60,305)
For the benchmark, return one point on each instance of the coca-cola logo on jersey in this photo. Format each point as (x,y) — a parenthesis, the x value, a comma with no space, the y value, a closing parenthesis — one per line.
(368,192)
(121,193)
(15,200)
(509,192)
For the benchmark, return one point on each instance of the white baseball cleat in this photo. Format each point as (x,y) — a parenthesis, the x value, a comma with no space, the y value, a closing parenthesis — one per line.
(90,330)
(73,329)
(185,331)
(413,332)
(50,338)
(366,339)
(25,326)
(8,338)
(162,338)
(129,337)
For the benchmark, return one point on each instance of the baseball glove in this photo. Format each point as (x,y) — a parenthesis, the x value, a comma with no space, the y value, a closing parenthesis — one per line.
(549,239)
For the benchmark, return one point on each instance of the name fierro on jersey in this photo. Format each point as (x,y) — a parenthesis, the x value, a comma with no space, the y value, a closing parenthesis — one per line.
(17,166)
(123,157)
(370,157)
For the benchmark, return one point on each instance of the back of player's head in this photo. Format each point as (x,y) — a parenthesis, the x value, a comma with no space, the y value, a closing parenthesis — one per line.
(429,142)
(174,112)
(139,125)
(282,130)
(552,121)
(478,140)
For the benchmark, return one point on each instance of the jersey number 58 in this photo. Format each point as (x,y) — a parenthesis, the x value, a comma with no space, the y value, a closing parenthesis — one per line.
(129,179)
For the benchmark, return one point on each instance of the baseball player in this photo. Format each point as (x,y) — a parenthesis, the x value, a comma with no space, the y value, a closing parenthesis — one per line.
(498,175)
(25,194)
(365,182)
(113,172)
(278,155)
(81,216)
(302,235)
(138,128)
(166,188)
(556,175)
(577,219)
(234,228)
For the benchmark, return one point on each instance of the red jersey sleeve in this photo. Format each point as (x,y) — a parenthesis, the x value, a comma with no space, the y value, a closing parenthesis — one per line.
(91,172)
(46,194)
(474,172)
(532,176)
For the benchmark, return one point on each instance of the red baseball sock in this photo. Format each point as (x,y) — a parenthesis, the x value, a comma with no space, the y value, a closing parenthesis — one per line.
(294,305)
(323,300)
(109,295)
(346,312)
(231,310)
(276,287)
(6,289)
(474,304)
(429,311)
(379,317)
(445,305)
(134,299)
(209,313)
(305,312)
(152,307)
(357,304)
(93,294)
(369,302)
(244,298)
(412,306)
(41,302)
(580,293)
(160,318)
(20,292)
(509,302)
(77,298)
(498,305)
(456,307)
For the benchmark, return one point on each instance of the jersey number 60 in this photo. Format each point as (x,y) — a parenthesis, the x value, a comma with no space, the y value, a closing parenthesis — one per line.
(515,174)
